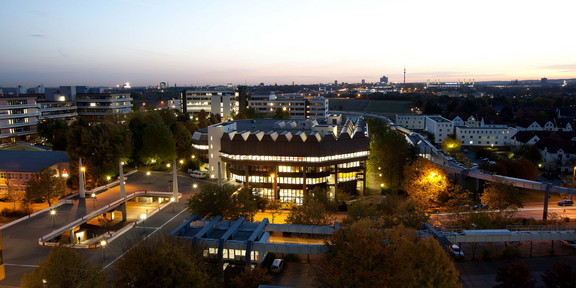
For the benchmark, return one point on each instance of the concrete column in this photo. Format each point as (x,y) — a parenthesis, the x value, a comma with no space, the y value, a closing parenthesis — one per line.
(247,175)
(219,175)
(122,190)
(72,236)
(175,182)
(275,184)
(82,192)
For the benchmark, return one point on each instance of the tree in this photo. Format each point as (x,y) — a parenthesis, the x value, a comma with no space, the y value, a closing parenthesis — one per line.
(45,186)
(182,139)
(54,132)
(65,268)
(311,212)
(158,145)
(501,196)
(425,183)
(163,262)
(515,275)
(357,256)
(281,114)
(251,278)
(561,275)
(389,152)
(101,145)
(451,145)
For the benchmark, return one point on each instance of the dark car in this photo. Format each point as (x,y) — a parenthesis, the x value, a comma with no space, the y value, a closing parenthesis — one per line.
(566,202)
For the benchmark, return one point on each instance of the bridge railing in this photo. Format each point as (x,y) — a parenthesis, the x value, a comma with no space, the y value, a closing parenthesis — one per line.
(541,227)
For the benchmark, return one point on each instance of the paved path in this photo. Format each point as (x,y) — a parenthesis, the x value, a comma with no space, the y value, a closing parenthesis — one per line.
(22,253)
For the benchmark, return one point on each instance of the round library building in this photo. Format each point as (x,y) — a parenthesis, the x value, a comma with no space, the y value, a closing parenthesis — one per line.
(284,158)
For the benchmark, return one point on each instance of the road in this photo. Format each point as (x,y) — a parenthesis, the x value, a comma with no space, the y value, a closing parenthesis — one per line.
(21,252)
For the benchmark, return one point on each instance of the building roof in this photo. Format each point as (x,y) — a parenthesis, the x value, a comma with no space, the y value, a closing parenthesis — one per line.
(30,161)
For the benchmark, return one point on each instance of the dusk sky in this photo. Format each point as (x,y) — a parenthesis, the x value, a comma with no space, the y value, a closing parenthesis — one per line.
(279,41)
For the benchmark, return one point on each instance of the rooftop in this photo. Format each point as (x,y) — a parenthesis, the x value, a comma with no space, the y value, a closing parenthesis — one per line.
(30,161)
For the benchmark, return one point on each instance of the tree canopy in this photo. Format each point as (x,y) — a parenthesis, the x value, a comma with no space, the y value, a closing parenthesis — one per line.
(358,256)
(101,145)
(389,152)
(213,200)
(163,262)
(426,183)
(515,275)
(65,267)
(501,196)
(315,210)
(44,186)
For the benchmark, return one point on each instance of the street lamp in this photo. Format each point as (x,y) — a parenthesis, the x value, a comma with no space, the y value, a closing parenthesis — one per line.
(148,176)
(143,217)
(94,200)
(103,245)
(172,199)
(53,215)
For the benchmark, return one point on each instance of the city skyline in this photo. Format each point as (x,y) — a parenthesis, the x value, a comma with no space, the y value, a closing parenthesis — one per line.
(190,43)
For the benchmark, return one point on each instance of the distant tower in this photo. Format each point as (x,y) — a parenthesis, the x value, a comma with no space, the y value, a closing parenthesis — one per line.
(404,75)
(363,81)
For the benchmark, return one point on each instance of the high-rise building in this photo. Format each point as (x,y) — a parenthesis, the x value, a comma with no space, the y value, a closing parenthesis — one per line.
(363,81)
(18,118)
(383,79)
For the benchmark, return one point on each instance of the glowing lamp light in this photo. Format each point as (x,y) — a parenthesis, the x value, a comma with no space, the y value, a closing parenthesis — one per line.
(168,165)
(108,178)
(181,161)
(64,173)
(83,169)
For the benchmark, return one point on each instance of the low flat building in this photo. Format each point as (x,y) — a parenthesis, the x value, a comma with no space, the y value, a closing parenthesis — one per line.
(485,136)
(17,167)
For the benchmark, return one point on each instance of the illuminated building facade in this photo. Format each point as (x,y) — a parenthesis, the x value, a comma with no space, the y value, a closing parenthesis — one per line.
(283,159)
(299,107)
(18,119)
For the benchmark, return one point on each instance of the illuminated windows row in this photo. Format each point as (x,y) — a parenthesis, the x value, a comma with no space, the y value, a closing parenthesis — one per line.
(350,176)
(349,165)
(296,159)
(232,253)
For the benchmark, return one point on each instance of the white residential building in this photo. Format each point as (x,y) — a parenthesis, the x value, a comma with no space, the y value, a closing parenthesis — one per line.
(413,121)
(485,136)
(215,102)
(440,127)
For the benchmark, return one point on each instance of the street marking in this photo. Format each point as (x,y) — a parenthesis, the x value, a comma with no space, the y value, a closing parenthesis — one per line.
(21,265)
(122,255)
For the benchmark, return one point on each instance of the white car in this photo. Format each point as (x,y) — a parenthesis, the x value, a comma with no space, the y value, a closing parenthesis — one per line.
(277,265)
(455,249)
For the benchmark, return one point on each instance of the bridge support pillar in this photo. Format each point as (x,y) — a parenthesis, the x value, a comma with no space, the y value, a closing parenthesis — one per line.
(122,191)
(546,196)
(72,236)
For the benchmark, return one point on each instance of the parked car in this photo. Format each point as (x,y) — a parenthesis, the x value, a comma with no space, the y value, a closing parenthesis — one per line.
(480,206)
(277,265)
(201,174)
(456,251)
(566,202)
(569,243)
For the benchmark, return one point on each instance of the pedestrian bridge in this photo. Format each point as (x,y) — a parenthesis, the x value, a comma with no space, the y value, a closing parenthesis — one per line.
(514,233)
(78,236)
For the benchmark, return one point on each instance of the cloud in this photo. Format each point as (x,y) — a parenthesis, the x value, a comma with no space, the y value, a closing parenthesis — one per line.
(37,35)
